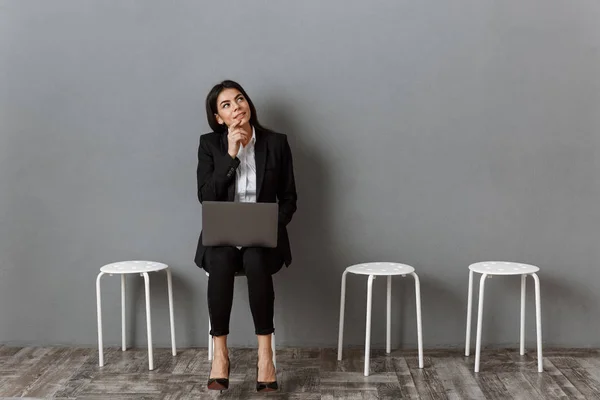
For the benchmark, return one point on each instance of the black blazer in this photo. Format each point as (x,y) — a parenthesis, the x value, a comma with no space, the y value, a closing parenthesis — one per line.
(274,179)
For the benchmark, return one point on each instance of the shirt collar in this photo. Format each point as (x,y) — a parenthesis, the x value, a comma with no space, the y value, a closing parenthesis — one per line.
(252,141)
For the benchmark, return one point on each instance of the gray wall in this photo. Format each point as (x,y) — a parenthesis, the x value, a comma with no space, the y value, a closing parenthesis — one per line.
(432,133)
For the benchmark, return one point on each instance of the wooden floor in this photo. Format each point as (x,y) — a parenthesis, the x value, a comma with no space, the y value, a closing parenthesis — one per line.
(53,372)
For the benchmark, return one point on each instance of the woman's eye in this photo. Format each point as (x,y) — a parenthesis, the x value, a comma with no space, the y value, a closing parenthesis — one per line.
(225,105)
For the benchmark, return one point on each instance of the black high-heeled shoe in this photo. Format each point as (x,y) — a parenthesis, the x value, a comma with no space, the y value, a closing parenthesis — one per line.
(266,386)
(220,383)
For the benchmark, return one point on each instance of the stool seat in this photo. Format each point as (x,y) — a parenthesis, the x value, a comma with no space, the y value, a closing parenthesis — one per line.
(502,268)
(133,267)
(381,268)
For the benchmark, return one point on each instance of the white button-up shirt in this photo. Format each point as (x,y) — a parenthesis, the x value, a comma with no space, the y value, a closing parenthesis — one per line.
(245,185)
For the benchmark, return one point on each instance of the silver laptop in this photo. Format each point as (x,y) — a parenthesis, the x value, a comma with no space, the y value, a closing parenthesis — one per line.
(226,223)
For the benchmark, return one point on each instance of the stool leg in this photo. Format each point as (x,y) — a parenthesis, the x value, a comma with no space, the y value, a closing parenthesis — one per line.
(171,313)
(368,333)
(538,321)
(148,321)
(210,342)
(388,324)
(469,307)
(479,321)
(419,326)
(123,314)
(342,310)
(523,287)
(273,349)
(99,311)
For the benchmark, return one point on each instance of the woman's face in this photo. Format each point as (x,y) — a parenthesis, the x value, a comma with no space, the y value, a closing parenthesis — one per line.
(232,106)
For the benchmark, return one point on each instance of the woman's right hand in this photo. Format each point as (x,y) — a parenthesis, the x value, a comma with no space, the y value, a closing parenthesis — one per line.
(235,136)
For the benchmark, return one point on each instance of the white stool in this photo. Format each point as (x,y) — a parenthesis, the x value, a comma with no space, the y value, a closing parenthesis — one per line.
(134,267)
(377,269)
(211,343)
(490,268)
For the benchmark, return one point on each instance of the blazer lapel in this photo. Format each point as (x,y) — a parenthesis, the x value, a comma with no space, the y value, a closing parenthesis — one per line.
(224,145)
(231,187)
(260,155)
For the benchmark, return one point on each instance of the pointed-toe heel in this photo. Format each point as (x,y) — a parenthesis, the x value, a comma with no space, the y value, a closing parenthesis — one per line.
(266,386)
(220,383)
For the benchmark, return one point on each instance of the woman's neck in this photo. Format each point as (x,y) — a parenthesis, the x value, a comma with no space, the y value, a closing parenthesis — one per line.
(248,129)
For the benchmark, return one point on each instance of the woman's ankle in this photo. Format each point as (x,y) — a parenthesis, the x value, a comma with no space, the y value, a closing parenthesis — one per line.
(265,355)
(220,346)
(221,353)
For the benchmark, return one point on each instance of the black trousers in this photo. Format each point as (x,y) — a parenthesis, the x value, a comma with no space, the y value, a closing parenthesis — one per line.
(258,264)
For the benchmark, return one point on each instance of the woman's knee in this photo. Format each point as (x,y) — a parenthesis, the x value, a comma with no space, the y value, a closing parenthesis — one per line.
(255,260)
(260,260)
(226,260)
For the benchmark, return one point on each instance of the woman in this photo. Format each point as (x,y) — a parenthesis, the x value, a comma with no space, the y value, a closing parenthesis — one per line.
(243,161)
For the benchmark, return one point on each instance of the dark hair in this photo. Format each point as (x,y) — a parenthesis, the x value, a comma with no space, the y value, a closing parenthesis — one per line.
(211,106)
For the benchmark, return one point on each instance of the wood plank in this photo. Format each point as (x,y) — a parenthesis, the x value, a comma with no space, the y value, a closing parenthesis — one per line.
(63,366)
(456,379)
(408,388)
(572,352)
(286,354)
(333,394)
(6,351)
(561,380)
(583,382)
(119,397)
(299,379)
(544,382)
(23,358)
(390,391)
(280,395)
(565,362)
(426,380)
(364,390)
(31,365)
(126,384)
(546,385)
(503,360)
(352,360)
(182,387)
(518,387)
(84,374)
(491,386)
(591,365)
